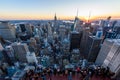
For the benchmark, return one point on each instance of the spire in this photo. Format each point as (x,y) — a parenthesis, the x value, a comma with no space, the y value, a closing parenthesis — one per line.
(76,20)
(77,13)
(89,16)
(55,17)
(76,17)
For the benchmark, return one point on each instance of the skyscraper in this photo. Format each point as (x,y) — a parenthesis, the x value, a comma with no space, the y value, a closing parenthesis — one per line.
(55,23)
(105,49)
(49,29)
(25,27)
(8,54)
(84,40)
(92,48)
(113,58)
(20,50)
(75,38)
(62,30)
(7,31)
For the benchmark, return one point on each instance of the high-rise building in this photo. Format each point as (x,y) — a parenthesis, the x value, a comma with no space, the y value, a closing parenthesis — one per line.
(7,31)
(92,48)
(29,29)
(20,50)
(105,49)
(25,27)
(75,38)
(77,25)
(113,58)
(31,57)
(8,54)
(22,27)
(84,39)
(55,23)
(62,31)
(112,55)
(49,29)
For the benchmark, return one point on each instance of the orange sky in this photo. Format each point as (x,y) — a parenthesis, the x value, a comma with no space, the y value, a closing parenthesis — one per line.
(64,9)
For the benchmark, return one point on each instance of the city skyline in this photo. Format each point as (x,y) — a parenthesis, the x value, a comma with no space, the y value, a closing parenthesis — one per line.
(64,9)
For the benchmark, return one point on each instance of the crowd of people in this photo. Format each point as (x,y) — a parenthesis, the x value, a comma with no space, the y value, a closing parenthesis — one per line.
(82,74)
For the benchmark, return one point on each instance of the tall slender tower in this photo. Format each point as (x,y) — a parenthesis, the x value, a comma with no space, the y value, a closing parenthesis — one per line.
(55,17)
(55,23)
(76,20)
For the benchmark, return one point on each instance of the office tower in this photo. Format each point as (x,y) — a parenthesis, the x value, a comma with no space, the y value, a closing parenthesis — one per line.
(25,27)
(113,58)
(117,32)
(105,49)
(31,57)
(75,38)
(22,27)
(84,39)
(8,54)
(77,25)
(110,34)
(92,48)
(113,55)
(20,50)
(7,31)
(62,31)
(49,29)
(29,29)
(107,22)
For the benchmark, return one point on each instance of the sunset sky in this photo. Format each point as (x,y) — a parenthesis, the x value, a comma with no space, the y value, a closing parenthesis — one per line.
(64,9)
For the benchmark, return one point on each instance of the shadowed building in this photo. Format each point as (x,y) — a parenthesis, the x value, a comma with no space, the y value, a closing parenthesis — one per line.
(75,39)
(84,39)
(92,48)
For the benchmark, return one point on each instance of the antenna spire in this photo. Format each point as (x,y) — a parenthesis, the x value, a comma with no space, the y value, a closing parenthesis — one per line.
(89,16)
(77,13)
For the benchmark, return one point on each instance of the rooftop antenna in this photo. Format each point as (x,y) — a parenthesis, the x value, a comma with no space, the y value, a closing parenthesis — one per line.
(76,17)
(89,16)
(77,12)
(55,17)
